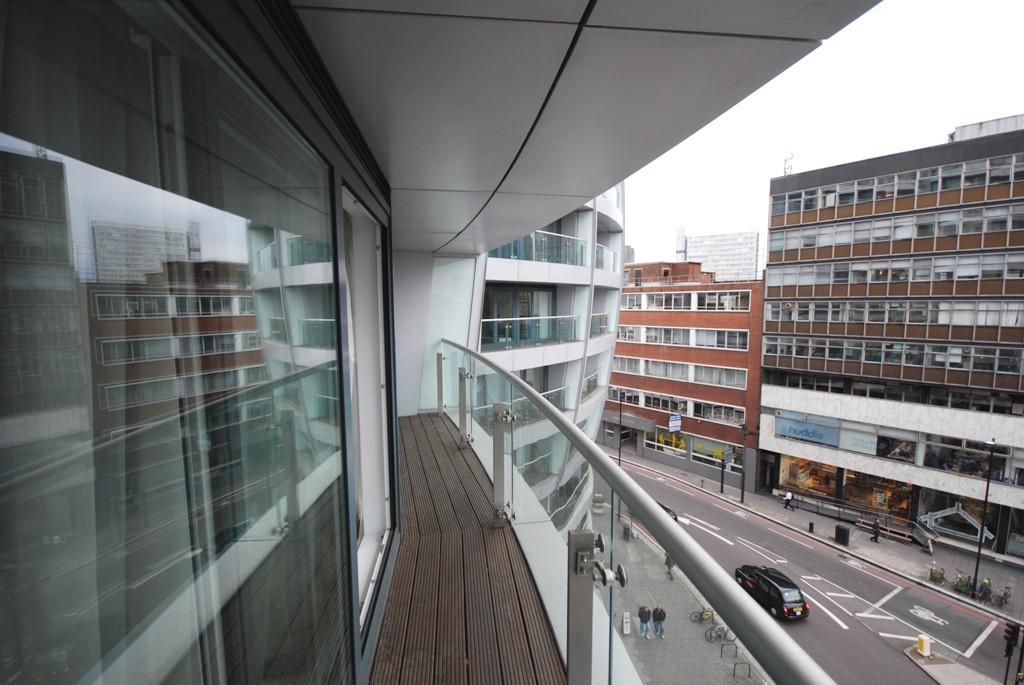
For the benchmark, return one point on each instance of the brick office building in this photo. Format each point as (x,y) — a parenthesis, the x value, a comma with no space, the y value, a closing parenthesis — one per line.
(688,346)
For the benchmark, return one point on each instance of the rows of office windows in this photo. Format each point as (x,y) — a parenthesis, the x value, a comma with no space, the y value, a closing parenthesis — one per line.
(963,222)
(973,174)
(940,312)
(685,337)
(954,398)
(124,395)
(962,357)
(697,409)
(164,306)
(692,373)
(714,300)
(959,267)
(168,347)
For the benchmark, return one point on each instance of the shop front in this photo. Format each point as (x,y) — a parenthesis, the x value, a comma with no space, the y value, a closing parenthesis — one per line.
(877,494)
(809,477)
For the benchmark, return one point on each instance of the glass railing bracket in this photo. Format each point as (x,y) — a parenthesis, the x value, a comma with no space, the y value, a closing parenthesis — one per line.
(503,417)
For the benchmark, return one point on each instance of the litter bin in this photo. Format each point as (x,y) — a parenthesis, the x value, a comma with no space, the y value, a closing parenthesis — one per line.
(842,536)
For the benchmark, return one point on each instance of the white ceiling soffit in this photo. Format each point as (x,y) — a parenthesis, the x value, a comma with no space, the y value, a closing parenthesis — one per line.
(445,93)
(444,102)
(808,19)
(627,96)
(504,220)
(567,11)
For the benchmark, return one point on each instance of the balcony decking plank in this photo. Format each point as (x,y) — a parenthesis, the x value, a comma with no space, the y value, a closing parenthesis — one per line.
(463,606)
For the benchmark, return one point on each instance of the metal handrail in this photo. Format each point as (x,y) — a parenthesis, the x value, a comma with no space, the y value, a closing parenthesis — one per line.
(560,235)
(530,318)
(783,659)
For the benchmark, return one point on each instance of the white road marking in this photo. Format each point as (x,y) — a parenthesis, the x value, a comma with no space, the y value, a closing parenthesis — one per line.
(897,618)
(639,470)
(686,522)
(703,523)
(886,598)
(981,638)
(912,638)
(763,551)
(876,577)
(840,594)
(928,615)
(811,577)
(791,539)
(832,616)
(880,617)
(822,593)
(756,551)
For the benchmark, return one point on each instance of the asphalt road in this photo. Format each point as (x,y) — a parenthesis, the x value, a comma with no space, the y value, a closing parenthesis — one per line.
(862,617)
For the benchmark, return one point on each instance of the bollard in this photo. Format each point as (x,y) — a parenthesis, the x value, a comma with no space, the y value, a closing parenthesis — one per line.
(810,526)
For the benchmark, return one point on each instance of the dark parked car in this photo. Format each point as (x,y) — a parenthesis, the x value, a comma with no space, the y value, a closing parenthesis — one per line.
(774,591)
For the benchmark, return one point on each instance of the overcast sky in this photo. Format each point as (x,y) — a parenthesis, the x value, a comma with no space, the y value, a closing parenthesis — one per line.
(901,77)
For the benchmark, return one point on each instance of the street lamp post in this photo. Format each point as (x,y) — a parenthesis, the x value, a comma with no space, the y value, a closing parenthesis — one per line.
(618,441)
(743,473)
(721,483)
(984,515)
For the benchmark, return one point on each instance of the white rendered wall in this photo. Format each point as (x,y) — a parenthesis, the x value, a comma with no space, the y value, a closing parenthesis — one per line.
(974,425)
(413,272)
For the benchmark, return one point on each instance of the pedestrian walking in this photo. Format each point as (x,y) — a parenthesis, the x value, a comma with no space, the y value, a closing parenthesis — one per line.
(787,501)
(876,528)
(658,615)
(644,614)
(669,564)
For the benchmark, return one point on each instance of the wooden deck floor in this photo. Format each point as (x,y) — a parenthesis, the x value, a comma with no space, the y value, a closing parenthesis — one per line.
(463,607)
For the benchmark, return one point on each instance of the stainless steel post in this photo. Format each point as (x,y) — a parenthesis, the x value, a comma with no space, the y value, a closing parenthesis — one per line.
(463,423)
(291,466)
(580,607)
(440,384)
(502,422)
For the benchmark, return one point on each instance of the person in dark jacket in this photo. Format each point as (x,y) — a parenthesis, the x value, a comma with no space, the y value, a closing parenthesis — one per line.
(658,615)
(876,528)
(644,614)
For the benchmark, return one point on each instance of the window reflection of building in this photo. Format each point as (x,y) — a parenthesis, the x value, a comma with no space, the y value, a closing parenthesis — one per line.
(148,158)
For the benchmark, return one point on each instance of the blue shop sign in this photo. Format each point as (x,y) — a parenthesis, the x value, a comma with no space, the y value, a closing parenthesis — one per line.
(808,432)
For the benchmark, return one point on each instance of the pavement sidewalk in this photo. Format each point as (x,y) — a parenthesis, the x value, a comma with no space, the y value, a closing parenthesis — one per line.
(911,561)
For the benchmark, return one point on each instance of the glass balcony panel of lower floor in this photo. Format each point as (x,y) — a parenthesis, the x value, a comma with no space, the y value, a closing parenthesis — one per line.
(507,334)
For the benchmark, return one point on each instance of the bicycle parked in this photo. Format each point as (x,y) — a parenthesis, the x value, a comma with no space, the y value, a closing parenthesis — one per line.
(703,615)
(719,632)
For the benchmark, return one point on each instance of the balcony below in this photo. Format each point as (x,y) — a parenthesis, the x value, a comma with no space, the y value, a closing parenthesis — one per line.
(463,605)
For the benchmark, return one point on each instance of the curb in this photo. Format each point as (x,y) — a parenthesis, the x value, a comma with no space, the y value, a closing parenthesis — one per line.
(839,548)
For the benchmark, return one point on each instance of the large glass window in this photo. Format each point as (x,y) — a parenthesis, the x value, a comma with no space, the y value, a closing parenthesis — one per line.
(170,516)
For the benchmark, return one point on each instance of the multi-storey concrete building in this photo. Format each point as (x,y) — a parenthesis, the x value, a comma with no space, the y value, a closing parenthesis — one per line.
(688,347)
(546,309)
(894,322)
(730,256)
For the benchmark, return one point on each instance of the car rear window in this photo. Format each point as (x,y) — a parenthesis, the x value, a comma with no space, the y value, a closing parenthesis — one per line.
(792,596)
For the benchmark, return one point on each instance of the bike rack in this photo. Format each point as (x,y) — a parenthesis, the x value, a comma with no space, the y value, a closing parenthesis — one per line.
(740,663)
(735,650)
